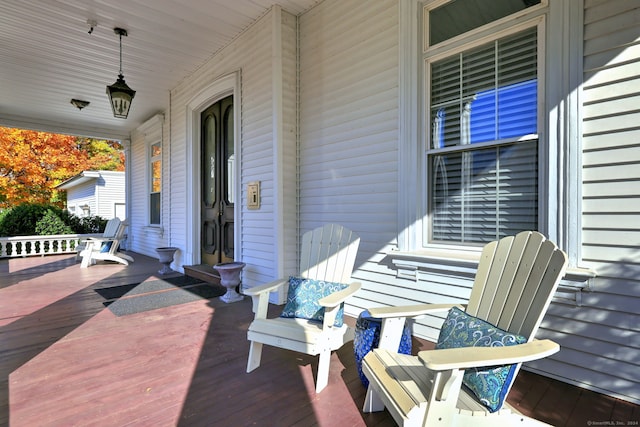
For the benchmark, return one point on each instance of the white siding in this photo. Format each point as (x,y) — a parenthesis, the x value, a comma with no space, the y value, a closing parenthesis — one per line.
(288,157)
(143,238)
(600,340)
(81,195)
(348,174)
(258,227)
(267,142)
(110,190)
(349,130)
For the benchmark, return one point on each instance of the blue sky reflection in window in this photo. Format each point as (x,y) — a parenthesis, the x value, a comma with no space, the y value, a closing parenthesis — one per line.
(481,121)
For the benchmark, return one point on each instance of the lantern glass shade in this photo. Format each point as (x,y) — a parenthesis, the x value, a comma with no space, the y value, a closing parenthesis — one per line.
(120,96)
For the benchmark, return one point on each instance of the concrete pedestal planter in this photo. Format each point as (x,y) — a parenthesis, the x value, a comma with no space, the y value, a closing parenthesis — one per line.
(165,256)
(230,279)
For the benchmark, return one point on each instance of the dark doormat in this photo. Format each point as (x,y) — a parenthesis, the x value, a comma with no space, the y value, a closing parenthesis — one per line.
(114,292)
(145,296)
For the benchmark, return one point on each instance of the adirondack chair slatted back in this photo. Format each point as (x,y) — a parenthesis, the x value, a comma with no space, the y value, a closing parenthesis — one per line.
(515,282)
(118,236)
(112,228)
(328,253)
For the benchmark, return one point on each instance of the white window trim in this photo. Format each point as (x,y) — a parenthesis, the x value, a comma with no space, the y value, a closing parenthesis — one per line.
(560,128)
(150,160)
(564,102)
(220,88)
(153,132)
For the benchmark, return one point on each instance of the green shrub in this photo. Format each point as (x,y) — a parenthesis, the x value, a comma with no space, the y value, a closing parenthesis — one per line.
(35,219)
(90,224)
(21,220)
(84,225)
(51,223)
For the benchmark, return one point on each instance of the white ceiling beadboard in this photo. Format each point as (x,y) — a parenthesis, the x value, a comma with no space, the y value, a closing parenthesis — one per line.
(48,57)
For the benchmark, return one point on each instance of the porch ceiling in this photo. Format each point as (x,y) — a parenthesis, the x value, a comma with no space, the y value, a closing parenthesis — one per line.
(48,57)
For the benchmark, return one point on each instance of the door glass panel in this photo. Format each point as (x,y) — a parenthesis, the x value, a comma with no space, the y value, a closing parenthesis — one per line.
(209,161)
(229,154)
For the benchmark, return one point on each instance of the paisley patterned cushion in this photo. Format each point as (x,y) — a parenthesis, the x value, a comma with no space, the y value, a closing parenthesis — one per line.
(489,384)
(303,296)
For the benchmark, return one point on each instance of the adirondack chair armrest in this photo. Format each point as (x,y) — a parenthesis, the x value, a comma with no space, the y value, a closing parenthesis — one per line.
(331,304)
(337,298)
(266,288)
(413,311)
(393,320)
(260,296)
(99,239)
(473,357)
(90,237)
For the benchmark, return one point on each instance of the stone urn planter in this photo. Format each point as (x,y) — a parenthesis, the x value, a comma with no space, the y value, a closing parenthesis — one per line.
(230,279)
(165,256)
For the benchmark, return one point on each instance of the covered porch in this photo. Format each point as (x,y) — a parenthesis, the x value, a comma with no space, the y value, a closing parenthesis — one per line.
(67,359)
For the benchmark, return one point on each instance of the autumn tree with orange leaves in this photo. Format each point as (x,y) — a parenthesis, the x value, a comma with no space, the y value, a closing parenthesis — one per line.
(32,163)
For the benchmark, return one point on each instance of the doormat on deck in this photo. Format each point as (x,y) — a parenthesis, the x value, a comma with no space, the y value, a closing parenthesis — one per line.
(114,292)
(156,294)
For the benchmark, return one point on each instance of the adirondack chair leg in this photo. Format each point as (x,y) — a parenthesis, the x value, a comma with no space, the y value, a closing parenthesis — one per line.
(86,255)
(82,246)
(323,370)
(125,256)
(255,354)
(372,401)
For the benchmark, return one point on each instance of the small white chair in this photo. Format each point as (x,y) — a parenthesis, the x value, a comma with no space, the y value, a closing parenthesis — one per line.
(106,248)
(110,230)
(328,254)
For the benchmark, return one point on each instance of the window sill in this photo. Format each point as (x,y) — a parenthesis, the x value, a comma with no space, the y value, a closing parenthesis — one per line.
(434,260)
(465,263)
(157,230)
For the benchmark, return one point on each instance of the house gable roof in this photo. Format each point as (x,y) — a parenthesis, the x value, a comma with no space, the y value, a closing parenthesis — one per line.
(84,177)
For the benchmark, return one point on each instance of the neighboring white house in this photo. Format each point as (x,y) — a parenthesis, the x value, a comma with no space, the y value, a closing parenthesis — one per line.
(96,193)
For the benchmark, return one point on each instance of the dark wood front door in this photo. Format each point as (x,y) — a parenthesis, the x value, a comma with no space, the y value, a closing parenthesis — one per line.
(218,182)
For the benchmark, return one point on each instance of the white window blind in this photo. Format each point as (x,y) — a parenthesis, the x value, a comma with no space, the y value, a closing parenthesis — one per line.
(483,161)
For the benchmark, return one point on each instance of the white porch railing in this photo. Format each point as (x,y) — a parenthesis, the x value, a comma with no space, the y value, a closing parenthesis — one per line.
(23,246)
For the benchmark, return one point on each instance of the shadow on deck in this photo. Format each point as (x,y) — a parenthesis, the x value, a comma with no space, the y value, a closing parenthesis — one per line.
(67,359)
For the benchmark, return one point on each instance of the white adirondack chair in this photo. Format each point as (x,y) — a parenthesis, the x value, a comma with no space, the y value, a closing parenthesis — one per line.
(110,230)
(328,253)
(513,287)
(106,248)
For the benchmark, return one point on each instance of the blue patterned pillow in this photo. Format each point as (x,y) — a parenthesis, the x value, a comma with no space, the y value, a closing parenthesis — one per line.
(303,296)
(106,247)
(490,384)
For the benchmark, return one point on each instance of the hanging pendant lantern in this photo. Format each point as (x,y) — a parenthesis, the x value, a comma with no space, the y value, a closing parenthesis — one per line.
(120,95)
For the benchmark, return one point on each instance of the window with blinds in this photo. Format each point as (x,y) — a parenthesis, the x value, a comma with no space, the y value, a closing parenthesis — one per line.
(155,190)
(483,150)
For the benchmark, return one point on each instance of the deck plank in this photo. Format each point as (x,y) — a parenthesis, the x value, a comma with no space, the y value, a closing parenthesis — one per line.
(66,359)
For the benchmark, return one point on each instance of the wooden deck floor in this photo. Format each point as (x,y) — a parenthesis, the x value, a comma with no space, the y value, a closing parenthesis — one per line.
(66,360)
